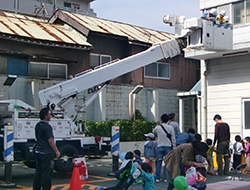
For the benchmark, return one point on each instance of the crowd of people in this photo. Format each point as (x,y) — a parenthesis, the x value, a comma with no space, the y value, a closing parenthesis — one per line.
(180,151)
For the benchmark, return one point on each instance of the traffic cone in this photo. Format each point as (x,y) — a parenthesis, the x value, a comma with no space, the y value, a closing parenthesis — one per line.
(215,160)
(75,183)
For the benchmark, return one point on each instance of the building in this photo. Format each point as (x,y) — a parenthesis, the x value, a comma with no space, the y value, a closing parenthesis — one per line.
(45,8)
(44,54)
(225,78)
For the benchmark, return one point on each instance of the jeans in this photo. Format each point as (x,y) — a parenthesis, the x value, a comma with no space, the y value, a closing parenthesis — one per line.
(161,152)
(44,171)
(223,149)
(170,180)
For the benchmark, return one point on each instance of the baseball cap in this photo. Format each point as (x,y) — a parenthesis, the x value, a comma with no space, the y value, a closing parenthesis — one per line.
(151,135)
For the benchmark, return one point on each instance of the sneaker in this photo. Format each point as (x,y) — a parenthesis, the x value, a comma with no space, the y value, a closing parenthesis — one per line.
(158,180)
(165,181)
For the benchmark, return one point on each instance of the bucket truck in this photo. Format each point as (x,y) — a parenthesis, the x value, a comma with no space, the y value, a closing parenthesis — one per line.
(62,98)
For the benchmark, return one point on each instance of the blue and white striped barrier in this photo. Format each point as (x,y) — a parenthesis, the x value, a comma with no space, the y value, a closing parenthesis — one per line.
(223,25)
(115,140)
(8,143)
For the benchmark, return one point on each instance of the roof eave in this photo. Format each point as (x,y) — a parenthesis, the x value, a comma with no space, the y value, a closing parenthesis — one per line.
(44,42)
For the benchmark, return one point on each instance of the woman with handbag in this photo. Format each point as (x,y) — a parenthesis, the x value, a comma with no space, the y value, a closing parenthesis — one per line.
(184,154)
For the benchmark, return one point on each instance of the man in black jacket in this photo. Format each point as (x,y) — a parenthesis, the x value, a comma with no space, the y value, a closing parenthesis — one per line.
(44,152)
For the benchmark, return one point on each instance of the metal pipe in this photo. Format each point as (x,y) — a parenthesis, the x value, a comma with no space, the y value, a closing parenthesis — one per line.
(129,105)
(204,64)
(181,115)
(134,95)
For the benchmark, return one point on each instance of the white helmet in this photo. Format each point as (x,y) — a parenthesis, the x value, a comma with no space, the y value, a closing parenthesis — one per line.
(213,11)
(223,12)
(226,18)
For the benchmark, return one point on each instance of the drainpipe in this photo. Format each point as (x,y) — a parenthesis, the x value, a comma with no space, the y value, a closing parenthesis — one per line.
(181,114)
(204,104)
(199,129)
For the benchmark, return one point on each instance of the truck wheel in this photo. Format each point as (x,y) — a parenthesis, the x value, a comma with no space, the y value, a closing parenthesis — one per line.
(68,152)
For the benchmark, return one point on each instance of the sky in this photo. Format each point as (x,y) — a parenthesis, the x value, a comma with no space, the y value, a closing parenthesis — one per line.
(145,13)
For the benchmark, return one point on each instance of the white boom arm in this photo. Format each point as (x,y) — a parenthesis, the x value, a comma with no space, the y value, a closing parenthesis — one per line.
(202,34)
(61,94)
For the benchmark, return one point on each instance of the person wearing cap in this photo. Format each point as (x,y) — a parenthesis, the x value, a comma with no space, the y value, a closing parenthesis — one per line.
(150,150)
(165,143)
(220,17)
(175,125)
(185,154)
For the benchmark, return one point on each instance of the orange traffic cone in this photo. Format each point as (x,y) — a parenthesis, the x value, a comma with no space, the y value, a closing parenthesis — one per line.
(75,183)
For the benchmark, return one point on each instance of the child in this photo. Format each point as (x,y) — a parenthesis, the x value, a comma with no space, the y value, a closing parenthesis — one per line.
(237,149)
(148,176)
(150,150)
(247,151)
(126,166)
(210,168)
(137,154)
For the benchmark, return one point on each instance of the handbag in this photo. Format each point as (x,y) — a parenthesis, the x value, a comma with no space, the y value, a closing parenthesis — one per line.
(190,175)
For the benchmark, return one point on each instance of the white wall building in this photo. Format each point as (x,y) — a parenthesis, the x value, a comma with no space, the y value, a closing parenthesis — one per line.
(31,7)
(225,78)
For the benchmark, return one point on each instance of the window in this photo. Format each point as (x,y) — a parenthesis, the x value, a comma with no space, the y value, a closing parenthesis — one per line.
(242,12)
(71,5)
(97,59)
(48,70)
(3,65)
(246,114)
(57,71)
(158,70)
(46,1)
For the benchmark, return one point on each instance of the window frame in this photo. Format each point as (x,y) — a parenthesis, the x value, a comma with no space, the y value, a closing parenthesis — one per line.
(157,68)
(48,71)
(73,6)
(244,116)
(245,12)
(100,59)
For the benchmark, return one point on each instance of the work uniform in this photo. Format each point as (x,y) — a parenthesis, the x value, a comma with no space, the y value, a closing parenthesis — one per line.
(44,157)
(220,18)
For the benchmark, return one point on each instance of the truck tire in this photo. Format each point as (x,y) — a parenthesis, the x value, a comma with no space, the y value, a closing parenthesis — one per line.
(66,165)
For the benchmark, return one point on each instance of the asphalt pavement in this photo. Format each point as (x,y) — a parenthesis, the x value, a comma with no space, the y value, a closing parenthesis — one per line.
(99,171)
